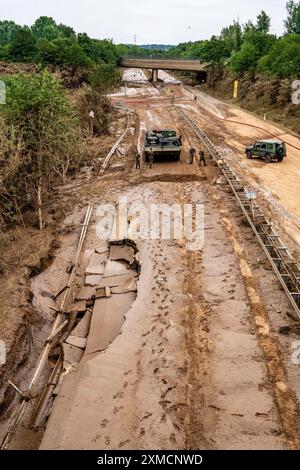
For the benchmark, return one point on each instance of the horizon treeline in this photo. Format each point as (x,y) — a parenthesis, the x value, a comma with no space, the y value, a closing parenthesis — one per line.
(240,48)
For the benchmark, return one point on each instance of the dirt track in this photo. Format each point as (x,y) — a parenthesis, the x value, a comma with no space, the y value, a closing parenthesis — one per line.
(199,363)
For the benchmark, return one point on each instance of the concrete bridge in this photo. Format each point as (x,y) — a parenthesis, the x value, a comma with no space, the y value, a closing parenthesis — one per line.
(162,64)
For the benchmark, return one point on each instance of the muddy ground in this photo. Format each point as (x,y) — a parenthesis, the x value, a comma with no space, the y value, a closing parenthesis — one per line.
(199,362)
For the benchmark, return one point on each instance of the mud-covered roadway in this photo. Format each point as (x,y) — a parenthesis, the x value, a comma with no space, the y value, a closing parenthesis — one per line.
(199,362)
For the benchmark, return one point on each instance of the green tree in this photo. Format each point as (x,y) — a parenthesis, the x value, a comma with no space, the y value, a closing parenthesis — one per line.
(215,51)
(45,28)
(62,51)
(7,31)
(249,26)
(260,40)
(104,77)
(232,35)
(46,51)
(245,59)
(23,45)
(292,23)
(71,53)
(66,31)
(283,60)
(263,22)
(5,53)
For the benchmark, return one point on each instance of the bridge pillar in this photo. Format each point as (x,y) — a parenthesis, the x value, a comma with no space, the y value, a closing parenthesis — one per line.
(154,75)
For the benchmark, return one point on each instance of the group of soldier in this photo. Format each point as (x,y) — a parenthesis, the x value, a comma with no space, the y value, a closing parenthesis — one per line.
(192,156)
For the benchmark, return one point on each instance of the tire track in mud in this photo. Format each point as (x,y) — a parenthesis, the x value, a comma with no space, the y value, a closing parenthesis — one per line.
(284,398)
(197,343)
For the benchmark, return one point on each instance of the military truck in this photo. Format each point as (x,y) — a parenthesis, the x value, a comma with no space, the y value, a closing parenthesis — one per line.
(163,143)
(268,150)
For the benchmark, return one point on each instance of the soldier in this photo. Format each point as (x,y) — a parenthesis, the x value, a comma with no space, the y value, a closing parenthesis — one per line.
(151,158)
(137,160)
(192,155)
(202,158)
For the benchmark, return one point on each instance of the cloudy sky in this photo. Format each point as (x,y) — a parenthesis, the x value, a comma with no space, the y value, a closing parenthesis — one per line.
(152,21)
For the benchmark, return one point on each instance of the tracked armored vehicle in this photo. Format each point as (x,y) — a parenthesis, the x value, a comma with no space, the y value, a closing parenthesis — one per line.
(163,143)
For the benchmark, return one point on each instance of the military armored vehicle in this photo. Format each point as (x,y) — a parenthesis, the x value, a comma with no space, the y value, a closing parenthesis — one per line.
(163,143)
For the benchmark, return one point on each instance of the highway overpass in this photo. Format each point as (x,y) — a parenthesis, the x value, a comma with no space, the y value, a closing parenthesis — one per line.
(162,64)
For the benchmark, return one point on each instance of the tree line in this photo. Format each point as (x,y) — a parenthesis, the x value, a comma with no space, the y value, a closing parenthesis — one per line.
(47,42)
(251,47)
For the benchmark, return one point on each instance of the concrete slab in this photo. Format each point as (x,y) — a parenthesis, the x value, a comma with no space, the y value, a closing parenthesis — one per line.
(85,293)
(115,281)
(114,268)
(125,252)
(97,263)
(72,354)
(83,327)
(84,261)
(107,320)
(93,280)
(128,286)
(102,248)
(77,341)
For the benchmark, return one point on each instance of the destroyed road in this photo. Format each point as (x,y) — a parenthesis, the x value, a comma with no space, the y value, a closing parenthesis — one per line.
(175,348)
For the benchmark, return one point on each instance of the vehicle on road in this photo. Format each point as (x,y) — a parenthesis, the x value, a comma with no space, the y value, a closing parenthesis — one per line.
(269,150)
(163,143)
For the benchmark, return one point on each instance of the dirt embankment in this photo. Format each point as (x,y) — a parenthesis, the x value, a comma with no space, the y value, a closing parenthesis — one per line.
(260,94)
(24,253)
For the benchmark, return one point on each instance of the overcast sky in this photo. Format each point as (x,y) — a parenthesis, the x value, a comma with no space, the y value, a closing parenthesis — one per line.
(153,21)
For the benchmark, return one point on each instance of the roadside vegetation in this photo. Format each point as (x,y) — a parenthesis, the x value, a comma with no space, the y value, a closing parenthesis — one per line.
(40,143)
(43,136)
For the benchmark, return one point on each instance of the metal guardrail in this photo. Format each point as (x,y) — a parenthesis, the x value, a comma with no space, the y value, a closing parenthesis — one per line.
(282,262)
(161,57)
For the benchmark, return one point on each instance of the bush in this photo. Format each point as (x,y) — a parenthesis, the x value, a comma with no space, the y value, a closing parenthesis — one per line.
(104,77)
(283,60)
(39,141)
(245,59)
(93,100)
